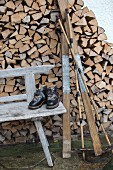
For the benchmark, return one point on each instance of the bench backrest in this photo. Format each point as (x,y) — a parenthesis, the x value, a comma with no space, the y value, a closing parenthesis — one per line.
(28,74)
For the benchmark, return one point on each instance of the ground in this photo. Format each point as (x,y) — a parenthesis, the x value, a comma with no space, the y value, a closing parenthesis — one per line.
(31,157)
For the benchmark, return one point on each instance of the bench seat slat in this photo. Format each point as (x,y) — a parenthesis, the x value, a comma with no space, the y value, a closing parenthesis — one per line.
(19,111)
(18,97)
(43,69)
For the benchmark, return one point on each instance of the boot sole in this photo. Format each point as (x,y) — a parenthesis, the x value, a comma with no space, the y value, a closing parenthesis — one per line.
(37,107)
(52,107)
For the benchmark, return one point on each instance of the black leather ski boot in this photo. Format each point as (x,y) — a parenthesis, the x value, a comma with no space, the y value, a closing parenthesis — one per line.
(52,98)
(39,98)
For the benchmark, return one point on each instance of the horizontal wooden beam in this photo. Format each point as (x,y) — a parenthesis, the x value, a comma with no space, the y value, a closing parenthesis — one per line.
(42,69)
(13,98)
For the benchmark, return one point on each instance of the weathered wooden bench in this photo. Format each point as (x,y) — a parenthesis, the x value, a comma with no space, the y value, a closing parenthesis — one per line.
(18,110)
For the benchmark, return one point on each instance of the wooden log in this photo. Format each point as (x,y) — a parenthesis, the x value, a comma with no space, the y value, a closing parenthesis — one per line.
(99,68)
(35,6)
(19,8)
(80,2)
(102,37)
(31,51)
(6,33)
(10,5)
(75,18)
(93,22)
(15,18)
(89,62)
(2,9)
(98,59)
(100,30)
(29,2)
(43,49)
(24,48)
(82,22)
(37,16)
(5,18)
(98,49)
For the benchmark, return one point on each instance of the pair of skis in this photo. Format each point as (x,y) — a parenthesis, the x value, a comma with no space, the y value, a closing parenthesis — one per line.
(80,83)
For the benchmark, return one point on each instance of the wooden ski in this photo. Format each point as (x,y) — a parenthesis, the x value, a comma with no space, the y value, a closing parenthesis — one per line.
(78,95)
(85,97)
(96,112)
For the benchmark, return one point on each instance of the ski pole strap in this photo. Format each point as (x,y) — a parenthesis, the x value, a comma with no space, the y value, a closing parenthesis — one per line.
(71,40)
(89,94)
(77,94)
(99,121)
(79,70)
(80,119)
(70,46)
(75,67)
(67,11)
(64,20)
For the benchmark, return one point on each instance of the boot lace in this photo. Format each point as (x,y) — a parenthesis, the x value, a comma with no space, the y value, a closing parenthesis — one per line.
(37,94)
(50,92)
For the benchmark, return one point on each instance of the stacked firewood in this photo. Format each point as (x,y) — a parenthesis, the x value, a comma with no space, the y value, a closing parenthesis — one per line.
(28,37)
(97,59)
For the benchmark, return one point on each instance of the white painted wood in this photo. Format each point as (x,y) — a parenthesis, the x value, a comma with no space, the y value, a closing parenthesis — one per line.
(30,86)
(44,142)
(22,71)
(18,97)
(20,111)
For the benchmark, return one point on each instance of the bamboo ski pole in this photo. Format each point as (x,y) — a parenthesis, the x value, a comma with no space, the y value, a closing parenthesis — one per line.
(97,115)
(80,116)
(72,52)
(86,100)
(70,29)
(77,88)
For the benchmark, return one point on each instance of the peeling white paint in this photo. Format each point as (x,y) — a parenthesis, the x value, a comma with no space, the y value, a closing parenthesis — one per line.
(103,10)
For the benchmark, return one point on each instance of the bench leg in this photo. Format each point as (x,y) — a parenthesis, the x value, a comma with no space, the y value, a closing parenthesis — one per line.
(44,141)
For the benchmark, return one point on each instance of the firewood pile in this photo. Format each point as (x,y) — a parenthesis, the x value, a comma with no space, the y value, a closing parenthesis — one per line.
(28,37)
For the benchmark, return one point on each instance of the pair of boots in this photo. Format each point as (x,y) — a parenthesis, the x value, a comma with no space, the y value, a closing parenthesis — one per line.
(45,95)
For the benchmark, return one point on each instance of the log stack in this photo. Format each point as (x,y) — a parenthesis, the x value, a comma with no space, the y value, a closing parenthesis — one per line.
(28,37)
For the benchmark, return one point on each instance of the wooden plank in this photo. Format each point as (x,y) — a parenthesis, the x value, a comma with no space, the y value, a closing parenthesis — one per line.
(13,98)
(30,86)
(66,102)
(44,142)
(89,113)
(66,88)
(20,111)
(22,71)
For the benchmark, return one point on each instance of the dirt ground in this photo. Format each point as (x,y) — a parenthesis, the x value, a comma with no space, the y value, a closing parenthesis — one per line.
(31,157)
